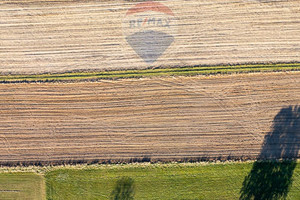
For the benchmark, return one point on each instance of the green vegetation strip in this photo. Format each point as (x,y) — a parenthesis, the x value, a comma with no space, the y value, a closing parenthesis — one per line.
(182,71)
(229,180)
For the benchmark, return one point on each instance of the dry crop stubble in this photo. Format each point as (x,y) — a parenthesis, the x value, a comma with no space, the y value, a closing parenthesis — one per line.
(159,118)
(240,84)
(225,94)
(58,36)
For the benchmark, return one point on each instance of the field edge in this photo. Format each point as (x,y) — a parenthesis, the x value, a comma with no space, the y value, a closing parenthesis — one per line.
(156,72)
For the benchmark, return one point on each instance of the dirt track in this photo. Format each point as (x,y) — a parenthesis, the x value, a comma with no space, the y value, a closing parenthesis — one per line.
(53,36)
(158,118)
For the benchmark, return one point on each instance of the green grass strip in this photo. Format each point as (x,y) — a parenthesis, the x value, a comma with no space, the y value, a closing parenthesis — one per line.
(179,71)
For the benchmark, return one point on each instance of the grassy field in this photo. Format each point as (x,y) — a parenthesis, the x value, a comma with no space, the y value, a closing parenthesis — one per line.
(165,181)
(22,186)
(180,71)
(152,181)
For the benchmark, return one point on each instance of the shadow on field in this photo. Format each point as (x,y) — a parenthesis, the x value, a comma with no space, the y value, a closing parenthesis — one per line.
(271,176)
(124,189)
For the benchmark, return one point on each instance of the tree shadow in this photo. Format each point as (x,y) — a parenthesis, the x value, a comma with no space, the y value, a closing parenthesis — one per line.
(271,176)
(124,189)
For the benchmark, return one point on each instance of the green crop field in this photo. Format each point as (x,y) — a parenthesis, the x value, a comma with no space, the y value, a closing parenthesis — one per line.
(179,71)
(22,186)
